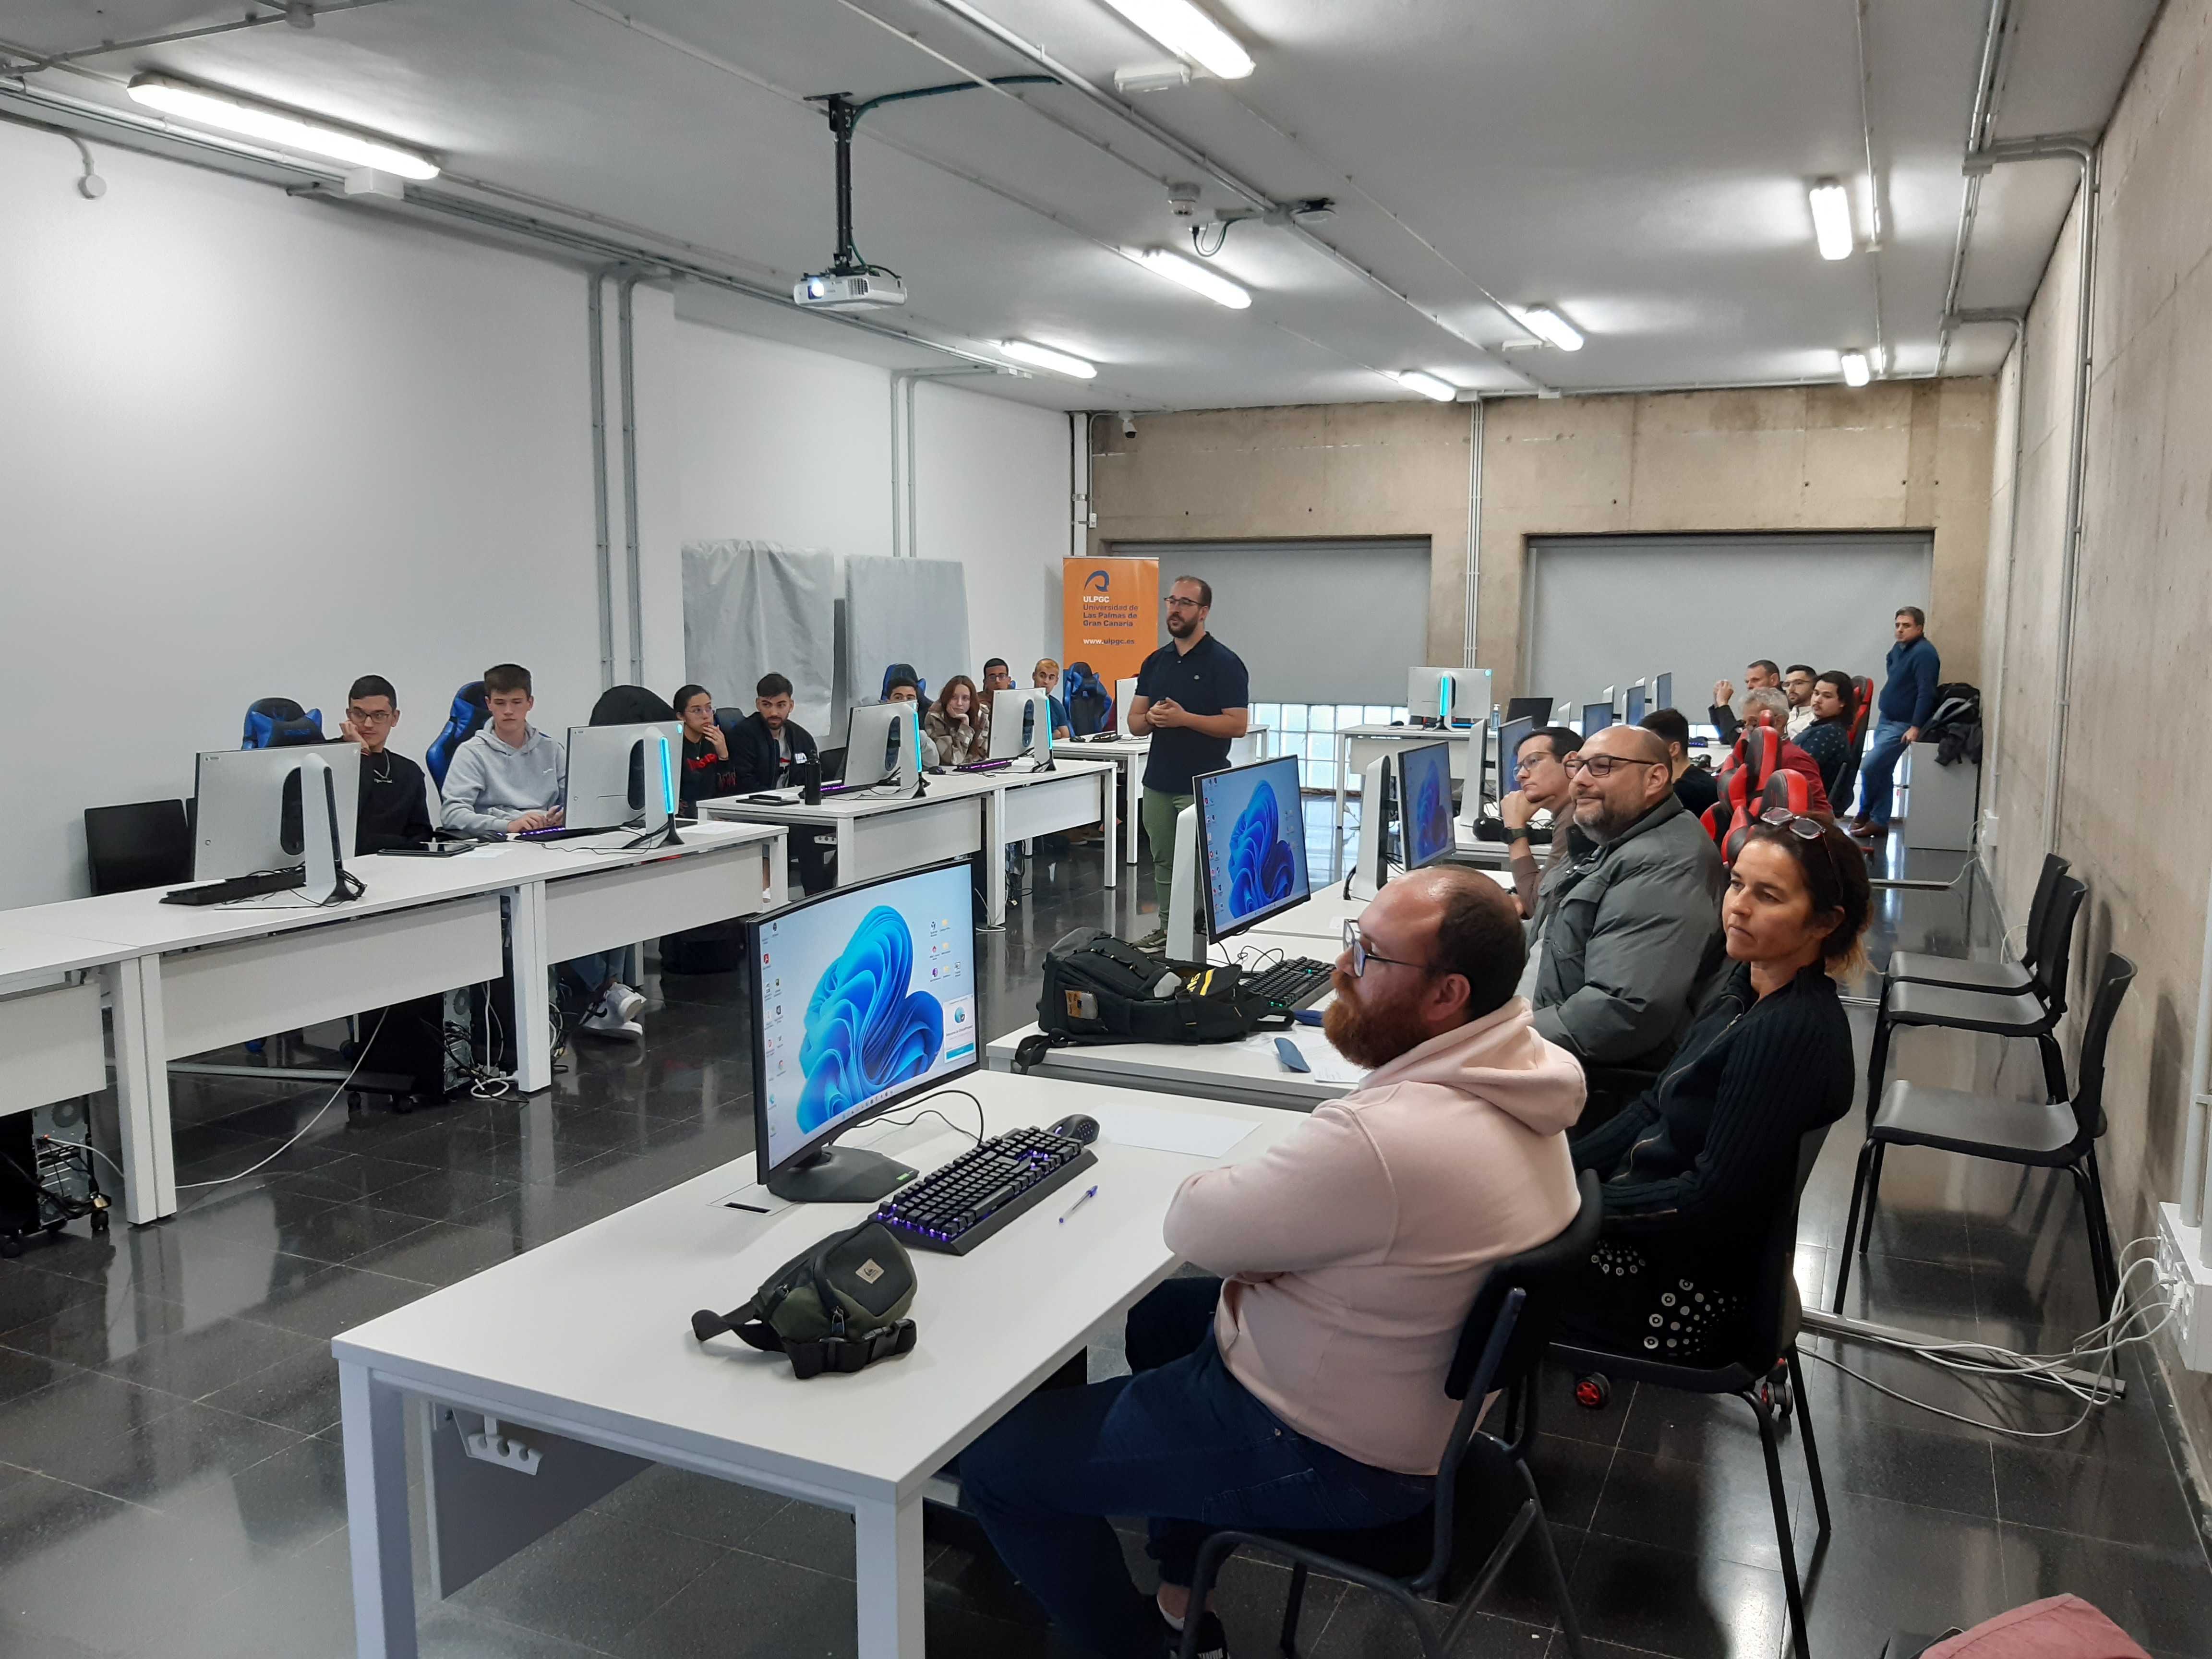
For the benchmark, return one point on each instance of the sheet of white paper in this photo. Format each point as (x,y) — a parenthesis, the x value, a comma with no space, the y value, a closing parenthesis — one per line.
(1327,1066)
(485,852)
(709,828)
(1200,1135)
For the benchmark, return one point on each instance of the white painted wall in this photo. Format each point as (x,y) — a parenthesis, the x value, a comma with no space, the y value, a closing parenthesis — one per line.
(253,447)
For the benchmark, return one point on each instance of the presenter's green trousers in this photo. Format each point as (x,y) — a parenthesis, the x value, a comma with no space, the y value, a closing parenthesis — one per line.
(1160,809)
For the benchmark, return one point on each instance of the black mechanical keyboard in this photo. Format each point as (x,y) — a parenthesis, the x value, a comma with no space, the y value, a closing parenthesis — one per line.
(984,766)
(553,832)
(955,1209)
(1299,983)
(240,887)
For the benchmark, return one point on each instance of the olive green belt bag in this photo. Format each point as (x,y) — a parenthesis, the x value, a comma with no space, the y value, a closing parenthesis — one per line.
(839,1305)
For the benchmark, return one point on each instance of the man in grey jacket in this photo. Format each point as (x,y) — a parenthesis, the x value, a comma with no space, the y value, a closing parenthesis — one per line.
(1630,931)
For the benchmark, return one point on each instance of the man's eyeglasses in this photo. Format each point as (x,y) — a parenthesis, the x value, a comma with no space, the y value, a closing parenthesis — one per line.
(380,717)
(1602,766)
(1522,768)
(1181,603)
(1361,955)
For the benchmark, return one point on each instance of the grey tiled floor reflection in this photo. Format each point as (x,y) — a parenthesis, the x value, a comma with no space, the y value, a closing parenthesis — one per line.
(171,1484)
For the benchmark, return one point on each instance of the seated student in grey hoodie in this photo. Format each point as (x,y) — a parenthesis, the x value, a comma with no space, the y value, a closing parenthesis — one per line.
(509,778)
(1304,1387)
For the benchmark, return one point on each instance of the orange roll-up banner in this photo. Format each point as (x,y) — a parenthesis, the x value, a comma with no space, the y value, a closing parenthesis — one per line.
(1110,614)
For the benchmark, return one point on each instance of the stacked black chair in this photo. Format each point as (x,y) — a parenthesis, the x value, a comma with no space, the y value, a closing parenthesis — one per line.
(2013,978)
(148,843)
(1419,1557)
(2033,1012)
(1773,1347)
(2044,1134)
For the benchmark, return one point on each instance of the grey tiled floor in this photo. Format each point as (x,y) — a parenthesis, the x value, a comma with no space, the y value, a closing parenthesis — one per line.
(171,1482)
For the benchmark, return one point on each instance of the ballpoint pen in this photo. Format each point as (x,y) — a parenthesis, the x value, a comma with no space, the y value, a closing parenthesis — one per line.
(1089,1194)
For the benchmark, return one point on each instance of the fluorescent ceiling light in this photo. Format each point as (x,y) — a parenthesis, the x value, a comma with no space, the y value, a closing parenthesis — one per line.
(1060,362)
(1428,385)
(276,126)
(1832,219)
(1185,30)
(1556,330)
(1857,371)
(1195,278)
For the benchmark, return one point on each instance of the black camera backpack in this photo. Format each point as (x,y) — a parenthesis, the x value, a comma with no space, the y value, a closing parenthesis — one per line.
(1100,989)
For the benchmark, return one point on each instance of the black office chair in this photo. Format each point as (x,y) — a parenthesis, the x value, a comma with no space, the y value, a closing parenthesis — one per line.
(2043,1135)
(1773,1347)
(2011,977)
(148,843)
(1417,1559)
(2034,1012)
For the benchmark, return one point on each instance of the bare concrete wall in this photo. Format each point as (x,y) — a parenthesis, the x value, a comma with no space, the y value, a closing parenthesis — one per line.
(2135,810)
(1902,455)
(1899,455)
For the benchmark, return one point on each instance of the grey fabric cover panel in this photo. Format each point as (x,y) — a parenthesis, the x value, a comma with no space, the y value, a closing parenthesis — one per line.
(1314,622)
(910,611)
(753,607)
(1606,609)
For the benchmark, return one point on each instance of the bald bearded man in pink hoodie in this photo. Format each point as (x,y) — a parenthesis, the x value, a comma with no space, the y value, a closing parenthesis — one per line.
(1304,1387)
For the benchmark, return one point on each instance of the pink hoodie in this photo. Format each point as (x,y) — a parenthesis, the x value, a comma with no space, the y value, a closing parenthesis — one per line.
(1354,1248)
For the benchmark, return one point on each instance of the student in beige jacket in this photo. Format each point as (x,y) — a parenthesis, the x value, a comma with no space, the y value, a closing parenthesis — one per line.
(1306,1387)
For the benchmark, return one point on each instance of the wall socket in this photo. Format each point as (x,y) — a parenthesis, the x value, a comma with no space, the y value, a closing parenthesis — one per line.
(2187,1284)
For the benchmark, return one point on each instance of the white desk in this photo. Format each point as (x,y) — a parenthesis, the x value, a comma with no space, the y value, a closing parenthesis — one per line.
(182,979)
(583,1347)
(1207,1071)
(1357,745)
(958,814)
(1128,756)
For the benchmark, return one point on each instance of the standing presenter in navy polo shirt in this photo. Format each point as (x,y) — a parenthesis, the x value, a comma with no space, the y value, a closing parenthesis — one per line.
(1193,697)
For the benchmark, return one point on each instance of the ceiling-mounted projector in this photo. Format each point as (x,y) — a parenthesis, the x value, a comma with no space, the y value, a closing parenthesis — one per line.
(849,290)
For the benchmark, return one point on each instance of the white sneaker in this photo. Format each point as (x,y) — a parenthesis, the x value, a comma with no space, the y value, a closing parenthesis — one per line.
(605,1022)
(626,1003)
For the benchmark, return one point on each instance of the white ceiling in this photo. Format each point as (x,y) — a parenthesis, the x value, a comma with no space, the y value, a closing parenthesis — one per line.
(1641,166)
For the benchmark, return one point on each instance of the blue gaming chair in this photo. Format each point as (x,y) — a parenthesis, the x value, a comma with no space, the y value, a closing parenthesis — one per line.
(904,671)
(1087,699)
(280,723)
(470,715)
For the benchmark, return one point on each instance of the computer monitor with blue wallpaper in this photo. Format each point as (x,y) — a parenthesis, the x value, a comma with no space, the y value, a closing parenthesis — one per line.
(1424,814)
(863,996)
(1251,843)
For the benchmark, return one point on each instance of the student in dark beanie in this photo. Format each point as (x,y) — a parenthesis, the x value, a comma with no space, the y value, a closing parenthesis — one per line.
(1693,1167)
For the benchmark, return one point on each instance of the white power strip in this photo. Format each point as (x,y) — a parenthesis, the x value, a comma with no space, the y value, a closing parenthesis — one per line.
(2188,1284)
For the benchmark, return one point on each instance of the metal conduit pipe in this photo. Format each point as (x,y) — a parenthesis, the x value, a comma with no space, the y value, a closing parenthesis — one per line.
(907,541)
(1474,424)
(2196,1142)
(1977,133)
(2086,153)
(596,343)
(1993,708)
(626,352)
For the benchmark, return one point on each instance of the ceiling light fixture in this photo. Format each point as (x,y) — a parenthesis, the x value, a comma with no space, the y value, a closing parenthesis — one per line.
(1197,278)
(1415,379)
(1856,370)
(277,126)
(1556,330)
(1185,30)
(1831,219)
(1060,362)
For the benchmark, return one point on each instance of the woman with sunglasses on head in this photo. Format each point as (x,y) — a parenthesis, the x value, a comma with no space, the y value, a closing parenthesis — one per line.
(1694,1166)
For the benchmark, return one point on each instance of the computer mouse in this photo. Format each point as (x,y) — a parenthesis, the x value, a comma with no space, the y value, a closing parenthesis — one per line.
(1076,1126)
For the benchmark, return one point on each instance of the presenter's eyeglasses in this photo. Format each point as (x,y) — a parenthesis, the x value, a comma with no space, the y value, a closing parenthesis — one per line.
(1179,603)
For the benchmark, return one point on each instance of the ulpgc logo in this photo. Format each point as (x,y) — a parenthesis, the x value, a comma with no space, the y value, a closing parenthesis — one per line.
(1095,586)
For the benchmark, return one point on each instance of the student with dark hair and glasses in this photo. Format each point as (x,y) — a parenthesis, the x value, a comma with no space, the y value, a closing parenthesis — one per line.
(1693,1167)
(1542,782)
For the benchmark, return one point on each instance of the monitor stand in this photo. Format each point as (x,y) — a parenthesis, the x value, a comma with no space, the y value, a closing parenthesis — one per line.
(831,1174)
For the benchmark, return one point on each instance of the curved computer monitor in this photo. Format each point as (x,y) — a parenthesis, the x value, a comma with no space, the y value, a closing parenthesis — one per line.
(613,770)
(1635,713)
(1511,736)
(1662,690)
(1424,814)
(248,811)
(1251,843)
(862,997)
(1596,716)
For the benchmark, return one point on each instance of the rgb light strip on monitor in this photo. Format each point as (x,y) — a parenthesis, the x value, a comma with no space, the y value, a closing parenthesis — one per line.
(1251,843)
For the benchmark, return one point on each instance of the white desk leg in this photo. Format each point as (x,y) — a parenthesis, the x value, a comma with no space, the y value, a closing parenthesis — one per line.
(994,857)
(530,972)
(1106,816)
(1336,837)
(142,1089)
(1133,800)
(887,1566)
(376,1514)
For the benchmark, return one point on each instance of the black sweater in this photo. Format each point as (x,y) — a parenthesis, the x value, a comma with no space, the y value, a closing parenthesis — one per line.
(393,807)
(705,774)
(755,760)
(1704,1150)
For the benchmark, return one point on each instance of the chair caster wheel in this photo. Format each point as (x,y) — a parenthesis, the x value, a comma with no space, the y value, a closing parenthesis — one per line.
(1594,1392)
(1776,1395)
(99,1221)
(11,1246)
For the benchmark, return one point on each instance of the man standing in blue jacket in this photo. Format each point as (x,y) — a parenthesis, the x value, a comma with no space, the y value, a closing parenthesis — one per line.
(1908,697)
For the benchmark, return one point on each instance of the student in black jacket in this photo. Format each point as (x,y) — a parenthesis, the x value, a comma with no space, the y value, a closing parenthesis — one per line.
(394,803)
(706,770)
(1693,1167)
(768,743)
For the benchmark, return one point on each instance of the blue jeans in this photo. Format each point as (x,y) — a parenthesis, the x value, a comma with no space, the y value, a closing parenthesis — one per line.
(1182,1442)
(590,974)
(1877,773)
